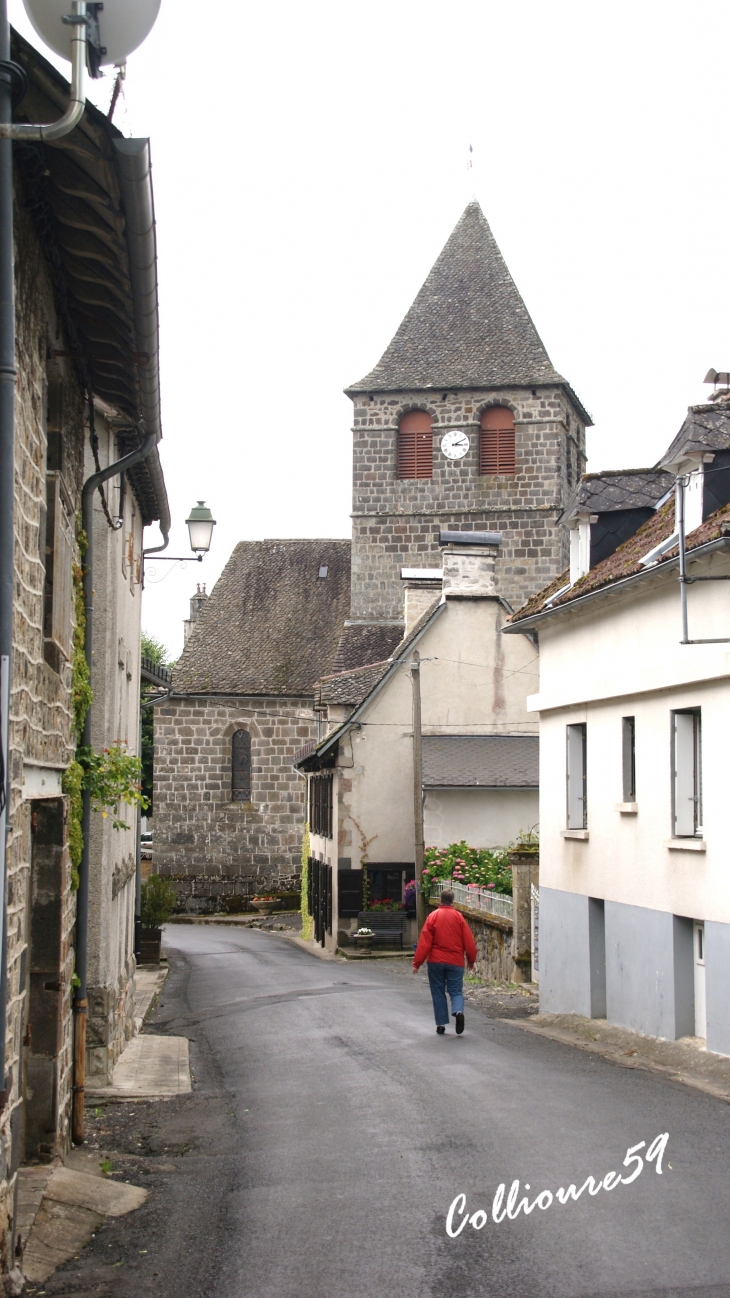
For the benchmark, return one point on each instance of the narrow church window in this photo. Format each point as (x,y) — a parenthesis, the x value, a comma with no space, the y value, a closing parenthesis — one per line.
(415,445)
(241,766)
(497,441)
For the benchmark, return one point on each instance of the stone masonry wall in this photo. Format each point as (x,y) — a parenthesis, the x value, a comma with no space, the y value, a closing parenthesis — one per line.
(396,522)
(40,706)
(209,846)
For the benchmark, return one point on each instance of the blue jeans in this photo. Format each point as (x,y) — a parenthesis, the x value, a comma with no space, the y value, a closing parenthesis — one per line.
(443,978)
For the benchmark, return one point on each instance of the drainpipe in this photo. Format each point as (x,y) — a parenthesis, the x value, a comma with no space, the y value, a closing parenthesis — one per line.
(682,559)
(7,495)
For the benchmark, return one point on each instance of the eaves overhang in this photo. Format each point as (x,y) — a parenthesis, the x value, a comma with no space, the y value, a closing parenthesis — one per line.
(536,619)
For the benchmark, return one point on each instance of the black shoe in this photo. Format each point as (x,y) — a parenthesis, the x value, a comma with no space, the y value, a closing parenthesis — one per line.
(441,1029)
(459,1024)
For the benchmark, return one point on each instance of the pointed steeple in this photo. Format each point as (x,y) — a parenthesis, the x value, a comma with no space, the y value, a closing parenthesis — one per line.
(468,327)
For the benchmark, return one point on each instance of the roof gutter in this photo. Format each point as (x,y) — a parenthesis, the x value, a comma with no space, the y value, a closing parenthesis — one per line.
(722,543)
(135,175)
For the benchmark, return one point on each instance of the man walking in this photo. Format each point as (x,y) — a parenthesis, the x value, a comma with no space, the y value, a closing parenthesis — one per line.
(445,939)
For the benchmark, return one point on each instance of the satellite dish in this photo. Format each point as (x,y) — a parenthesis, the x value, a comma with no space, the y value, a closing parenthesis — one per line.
(123,25)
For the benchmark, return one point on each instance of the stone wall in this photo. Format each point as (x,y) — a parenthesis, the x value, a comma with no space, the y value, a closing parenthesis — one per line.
(396,522)
(41,742)
(209,846)
(493,937)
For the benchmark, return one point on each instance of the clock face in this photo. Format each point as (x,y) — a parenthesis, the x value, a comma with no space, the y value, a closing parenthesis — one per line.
(455,444)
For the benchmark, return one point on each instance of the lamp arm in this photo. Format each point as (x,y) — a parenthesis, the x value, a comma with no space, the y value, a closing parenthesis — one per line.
(75,110)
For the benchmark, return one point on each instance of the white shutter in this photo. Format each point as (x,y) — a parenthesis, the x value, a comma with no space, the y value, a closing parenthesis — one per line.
(576,776)
(685,781)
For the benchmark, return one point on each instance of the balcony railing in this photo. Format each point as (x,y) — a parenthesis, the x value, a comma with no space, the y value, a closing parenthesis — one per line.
(486,899)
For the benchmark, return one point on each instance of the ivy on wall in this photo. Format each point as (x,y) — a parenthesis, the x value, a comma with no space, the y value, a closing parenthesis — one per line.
(112,776)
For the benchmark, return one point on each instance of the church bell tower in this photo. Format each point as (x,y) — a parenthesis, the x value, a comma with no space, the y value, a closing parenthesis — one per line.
(462,426)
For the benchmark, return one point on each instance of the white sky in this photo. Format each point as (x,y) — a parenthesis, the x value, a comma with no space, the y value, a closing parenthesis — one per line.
(310,163)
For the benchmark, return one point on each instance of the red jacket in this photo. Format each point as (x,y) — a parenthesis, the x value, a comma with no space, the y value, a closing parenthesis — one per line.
(445,939)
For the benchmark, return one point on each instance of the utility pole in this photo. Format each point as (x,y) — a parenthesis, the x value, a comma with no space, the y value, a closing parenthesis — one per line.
(418,786)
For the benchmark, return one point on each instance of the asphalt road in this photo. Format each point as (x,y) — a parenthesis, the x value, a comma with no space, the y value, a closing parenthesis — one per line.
(330,1130)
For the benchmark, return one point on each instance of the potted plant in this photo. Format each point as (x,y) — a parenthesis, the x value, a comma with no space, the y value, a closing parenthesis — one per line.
(364,938)
(158,900)
(266,904)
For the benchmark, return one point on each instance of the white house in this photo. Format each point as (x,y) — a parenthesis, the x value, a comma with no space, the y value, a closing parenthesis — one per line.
(634,715)
(480,760)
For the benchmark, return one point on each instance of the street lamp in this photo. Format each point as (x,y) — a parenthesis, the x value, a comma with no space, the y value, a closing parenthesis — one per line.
(200,526)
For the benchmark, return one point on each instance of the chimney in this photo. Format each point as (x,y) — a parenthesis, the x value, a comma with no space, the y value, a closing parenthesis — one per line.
(196,608)
(469,560)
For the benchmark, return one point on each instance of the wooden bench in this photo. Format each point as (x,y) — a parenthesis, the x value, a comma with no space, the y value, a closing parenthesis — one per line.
(387,925)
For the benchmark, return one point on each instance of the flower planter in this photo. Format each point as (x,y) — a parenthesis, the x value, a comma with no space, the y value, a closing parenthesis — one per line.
(149,946)
(364,943)
(265,907)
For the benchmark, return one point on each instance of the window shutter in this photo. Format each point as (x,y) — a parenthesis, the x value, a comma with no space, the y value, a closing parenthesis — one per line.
(497,441)
(415,445)
(685,774)
(349,893)
(576,777)
(628,725)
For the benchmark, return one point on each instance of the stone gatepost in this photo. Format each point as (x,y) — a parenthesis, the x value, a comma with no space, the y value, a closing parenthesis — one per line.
(525,872)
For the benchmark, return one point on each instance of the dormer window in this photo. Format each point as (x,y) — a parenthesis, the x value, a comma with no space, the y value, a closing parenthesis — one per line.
(415,445)
(497,441)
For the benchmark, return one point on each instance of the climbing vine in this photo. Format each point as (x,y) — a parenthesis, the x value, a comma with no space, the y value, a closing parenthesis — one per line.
(112,776)
(306,917)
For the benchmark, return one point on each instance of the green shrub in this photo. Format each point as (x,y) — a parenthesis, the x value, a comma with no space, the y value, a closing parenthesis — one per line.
(158,901)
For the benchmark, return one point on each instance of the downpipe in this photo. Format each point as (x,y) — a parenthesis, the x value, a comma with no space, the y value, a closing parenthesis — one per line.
(80,1003)
(56,130)
(682,561)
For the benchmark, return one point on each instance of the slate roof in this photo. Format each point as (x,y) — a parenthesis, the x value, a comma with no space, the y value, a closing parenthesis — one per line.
(603,493)
(468,326)
(480,761)
(706,428)
(363,644)
(350,688)
(625,561)
(270,625)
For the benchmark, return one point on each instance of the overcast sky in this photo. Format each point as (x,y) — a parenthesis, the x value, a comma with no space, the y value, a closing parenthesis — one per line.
(310,163)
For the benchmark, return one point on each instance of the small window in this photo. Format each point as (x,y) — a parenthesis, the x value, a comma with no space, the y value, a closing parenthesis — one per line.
(497,441)
(320,804)
(687,774)
(628,736)
(241,766)
(415,445)
(577,802)
(323,570)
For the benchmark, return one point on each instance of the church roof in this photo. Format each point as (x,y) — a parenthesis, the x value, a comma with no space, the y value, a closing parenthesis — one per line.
(468,327)
(271,624)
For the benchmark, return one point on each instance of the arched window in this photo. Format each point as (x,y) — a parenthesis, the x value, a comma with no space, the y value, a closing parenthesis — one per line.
(415,445)
(497,441)
(241,766)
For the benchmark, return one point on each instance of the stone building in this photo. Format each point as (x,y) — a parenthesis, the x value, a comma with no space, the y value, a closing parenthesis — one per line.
(463,425)
(229,805)
(77,398)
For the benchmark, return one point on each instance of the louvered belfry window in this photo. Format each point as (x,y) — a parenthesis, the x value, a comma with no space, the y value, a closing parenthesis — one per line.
(497,441)
(241,766)
(415,445)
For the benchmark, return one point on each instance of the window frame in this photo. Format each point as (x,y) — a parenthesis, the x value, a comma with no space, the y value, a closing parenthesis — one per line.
(576,771)
(686,771)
